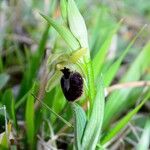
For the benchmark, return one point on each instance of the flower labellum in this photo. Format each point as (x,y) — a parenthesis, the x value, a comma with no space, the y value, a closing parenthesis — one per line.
(71,84)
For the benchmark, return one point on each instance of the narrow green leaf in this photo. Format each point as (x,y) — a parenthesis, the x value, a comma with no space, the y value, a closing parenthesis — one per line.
(112,70)
(77,24)
(123,122)
(35,60)
(1,64)
(3,80)
(64,32)
(63,8)
(33,64)
(13,112)
(141,63)
(100,57)
(117,101)
(29,117)
(80,122)
(21,101)
(91,85)
(144,142)
(93,128)
(8,100)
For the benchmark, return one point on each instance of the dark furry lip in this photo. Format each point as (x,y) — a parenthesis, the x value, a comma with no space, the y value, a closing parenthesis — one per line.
(71,84)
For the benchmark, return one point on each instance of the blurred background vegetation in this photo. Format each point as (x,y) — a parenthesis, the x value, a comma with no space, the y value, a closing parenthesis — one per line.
(25,42)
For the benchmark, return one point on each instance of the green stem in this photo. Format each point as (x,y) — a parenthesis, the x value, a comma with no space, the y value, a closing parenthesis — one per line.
(91,85)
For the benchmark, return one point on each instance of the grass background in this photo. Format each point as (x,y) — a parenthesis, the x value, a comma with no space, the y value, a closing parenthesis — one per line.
(120,51)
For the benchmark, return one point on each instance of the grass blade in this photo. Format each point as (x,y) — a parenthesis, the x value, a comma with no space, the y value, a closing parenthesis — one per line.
(99,58)
(21,101)
(123,122)
(29,116)
(63,8)
(1,64)
(93,128)
(64,32)
(34,64)
(117,101)
(91,86)
(144,142)
(35,60)
(9,102)
(13,112)
(80,122)
(112,70)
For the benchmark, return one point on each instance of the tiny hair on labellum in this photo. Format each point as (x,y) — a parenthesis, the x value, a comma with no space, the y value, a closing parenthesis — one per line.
(71,84)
